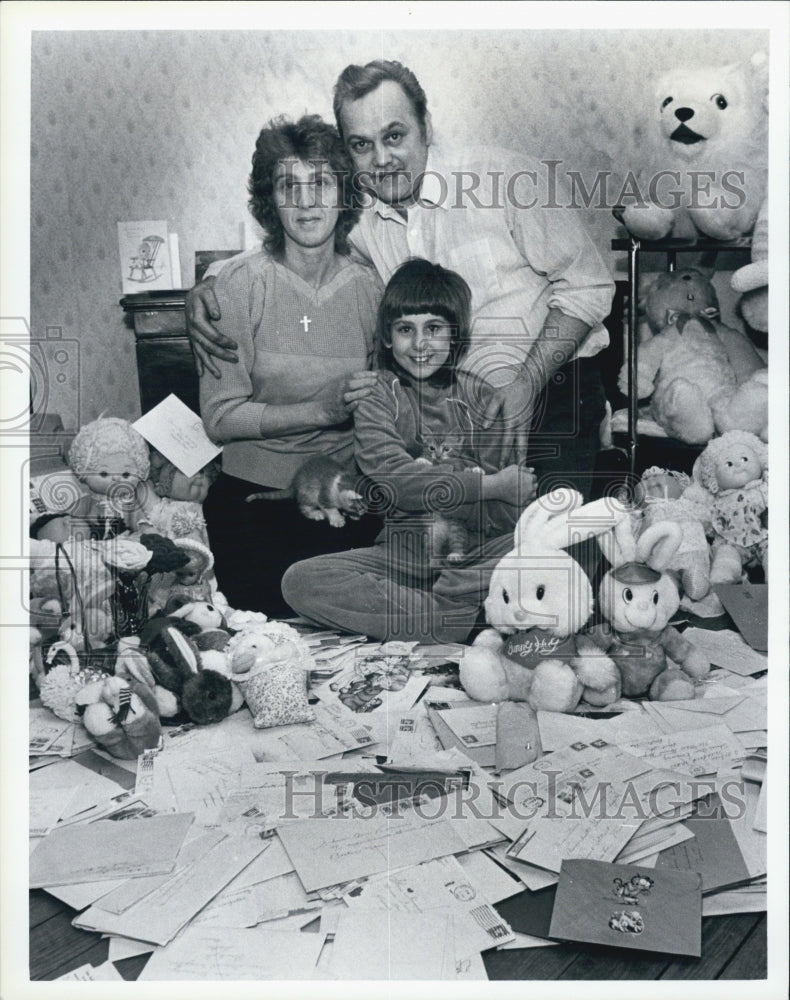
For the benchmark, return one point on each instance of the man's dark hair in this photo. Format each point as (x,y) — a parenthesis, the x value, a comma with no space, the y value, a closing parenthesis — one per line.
(311,140)
(356,82)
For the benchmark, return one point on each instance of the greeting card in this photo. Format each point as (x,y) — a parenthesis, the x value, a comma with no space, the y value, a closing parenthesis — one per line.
(629,906)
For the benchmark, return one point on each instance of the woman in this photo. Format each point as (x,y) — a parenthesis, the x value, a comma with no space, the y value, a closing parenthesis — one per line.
(304,317)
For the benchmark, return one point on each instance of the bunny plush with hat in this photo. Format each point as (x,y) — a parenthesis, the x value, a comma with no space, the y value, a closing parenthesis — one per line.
(637,598)
(539,600)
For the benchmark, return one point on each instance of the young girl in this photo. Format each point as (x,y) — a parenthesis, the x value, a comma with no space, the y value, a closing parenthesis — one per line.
(417,437)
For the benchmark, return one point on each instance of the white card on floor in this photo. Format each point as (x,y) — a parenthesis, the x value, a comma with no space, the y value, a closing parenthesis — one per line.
(405,946)
(223,953)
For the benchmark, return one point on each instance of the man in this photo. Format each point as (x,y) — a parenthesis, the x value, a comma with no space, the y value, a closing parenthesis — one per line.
(540,288)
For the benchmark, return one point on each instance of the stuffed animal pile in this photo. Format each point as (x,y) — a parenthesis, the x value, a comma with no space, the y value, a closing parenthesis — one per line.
(700,376)
(539,601)
(678,536)
(170,653)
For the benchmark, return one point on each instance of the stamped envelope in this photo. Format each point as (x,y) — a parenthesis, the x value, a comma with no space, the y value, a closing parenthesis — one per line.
(474,725)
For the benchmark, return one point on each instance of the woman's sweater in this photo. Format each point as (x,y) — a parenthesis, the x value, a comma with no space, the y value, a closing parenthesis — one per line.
(293,339)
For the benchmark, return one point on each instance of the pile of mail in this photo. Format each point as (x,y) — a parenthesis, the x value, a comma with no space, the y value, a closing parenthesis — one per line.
(386,840)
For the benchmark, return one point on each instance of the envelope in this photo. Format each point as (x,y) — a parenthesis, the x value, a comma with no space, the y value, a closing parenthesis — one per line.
(485,756)
(741,714)
(491,879)
(747,605)
(404,946)
(230,953)
(161,915)
(108,849)
(694,751)
(518,735)
(473,725)
(178,433)
(727,649)
(713,852)
(439,885)
(327,852)
(559,730)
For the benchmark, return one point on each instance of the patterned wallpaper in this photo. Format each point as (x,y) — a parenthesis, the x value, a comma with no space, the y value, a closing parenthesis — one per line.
(161,125)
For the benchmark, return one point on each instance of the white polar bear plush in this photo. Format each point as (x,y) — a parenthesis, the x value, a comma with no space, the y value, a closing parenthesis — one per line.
(705,171)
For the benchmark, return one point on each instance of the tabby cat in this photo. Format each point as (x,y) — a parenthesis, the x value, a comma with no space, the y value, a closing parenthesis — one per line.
(449,537)
(324,491)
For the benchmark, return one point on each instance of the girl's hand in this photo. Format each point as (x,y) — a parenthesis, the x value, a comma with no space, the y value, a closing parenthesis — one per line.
(515,485)
(340,397)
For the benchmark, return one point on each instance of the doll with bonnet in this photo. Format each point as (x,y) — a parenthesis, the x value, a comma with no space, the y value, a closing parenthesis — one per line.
(110,458)
(731,474)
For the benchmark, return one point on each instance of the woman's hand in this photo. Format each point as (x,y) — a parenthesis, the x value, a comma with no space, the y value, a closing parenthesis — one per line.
(515,485)
(340,397)
(202,311)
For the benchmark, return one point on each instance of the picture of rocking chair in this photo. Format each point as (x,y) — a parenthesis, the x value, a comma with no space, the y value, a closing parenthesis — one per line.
(145,259)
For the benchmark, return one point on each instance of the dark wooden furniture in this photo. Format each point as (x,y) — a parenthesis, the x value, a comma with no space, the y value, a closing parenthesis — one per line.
(165,362)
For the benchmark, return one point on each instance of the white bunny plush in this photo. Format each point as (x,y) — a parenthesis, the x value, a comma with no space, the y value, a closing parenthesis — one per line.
(638,598)
(539,599)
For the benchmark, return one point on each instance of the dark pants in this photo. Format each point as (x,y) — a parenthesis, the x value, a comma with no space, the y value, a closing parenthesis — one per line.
(564,438)
(254,543)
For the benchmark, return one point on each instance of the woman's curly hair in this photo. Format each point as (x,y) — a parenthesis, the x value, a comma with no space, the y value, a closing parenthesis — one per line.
(308,139)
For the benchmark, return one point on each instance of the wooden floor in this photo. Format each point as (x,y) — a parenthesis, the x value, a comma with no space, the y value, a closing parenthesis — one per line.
(733,947)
